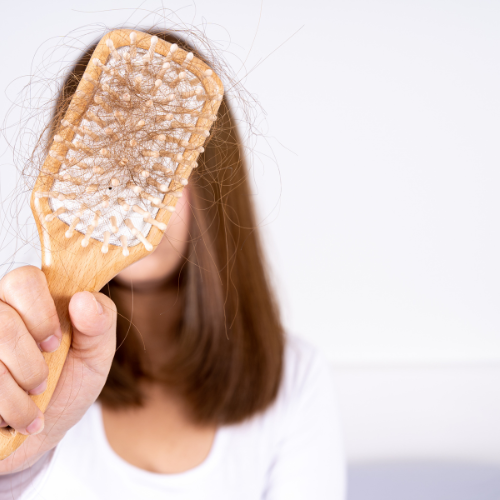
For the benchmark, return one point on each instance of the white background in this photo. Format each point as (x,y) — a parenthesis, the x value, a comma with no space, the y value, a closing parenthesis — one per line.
(377,180)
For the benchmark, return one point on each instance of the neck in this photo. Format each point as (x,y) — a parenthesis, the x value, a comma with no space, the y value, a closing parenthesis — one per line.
(154,309)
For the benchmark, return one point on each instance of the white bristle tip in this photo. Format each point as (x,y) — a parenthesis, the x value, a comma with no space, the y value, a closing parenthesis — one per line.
(173,48)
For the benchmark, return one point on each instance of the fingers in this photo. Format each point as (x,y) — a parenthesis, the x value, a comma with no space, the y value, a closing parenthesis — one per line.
(93,316)
(27,318)
(20,353)
(16,407)
(25,289)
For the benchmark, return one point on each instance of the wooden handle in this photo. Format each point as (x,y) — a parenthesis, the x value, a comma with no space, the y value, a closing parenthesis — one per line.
(10,439)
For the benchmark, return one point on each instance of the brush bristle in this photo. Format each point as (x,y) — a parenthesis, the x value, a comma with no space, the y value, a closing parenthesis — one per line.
(138,140)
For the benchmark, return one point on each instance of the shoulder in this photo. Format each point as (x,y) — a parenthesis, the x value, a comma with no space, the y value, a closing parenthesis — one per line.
(306,372)
(307,387)
(306,455)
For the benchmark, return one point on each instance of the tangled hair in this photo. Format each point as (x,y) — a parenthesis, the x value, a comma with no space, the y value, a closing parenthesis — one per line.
(227,353)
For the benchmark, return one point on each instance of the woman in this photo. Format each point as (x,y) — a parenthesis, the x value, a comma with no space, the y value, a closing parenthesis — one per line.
(201,395)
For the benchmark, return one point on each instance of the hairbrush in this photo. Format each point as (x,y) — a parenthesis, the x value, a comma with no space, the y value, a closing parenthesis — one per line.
(119,161)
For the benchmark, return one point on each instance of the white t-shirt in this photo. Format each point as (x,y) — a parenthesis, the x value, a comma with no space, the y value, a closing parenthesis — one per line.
(292,451)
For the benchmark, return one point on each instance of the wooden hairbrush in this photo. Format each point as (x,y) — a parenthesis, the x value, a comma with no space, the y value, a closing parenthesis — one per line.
(120,159)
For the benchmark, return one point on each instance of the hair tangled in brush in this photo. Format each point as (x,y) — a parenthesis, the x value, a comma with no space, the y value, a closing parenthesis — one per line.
(129,139)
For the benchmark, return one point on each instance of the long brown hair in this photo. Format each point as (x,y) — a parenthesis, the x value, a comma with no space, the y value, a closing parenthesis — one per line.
(228,346)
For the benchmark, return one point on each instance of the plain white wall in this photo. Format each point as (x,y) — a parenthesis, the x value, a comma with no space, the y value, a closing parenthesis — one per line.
(440,413)
(377,183)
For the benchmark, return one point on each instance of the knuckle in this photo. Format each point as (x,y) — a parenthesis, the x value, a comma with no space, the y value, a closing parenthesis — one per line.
(31,273)
(26,276)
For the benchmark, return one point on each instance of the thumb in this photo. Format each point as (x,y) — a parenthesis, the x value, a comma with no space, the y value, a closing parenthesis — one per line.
(93,316)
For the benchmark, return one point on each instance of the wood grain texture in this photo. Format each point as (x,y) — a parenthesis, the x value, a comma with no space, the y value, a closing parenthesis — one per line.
(68,266)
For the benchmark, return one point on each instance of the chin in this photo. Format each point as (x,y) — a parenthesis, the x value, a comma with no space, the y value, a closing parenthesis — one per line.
(148,272)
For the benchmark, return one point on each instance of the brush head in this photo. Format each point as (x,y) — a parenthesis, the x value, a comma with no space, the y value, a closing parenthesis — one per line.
(128,143)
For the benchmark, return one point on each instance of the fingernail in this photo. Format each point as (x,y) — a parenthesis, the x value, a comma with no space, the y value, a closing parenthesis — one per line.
(36,426)
(50,344)
(98,306)
(39,389)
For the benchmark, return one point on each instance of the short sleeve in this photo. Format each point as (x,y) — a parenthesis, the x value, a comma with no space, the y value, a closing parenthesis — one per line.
(309,458)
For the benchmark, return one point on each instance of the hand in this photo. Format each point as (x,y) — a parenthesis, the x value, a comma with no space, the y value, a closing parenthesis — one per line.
(28,325)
